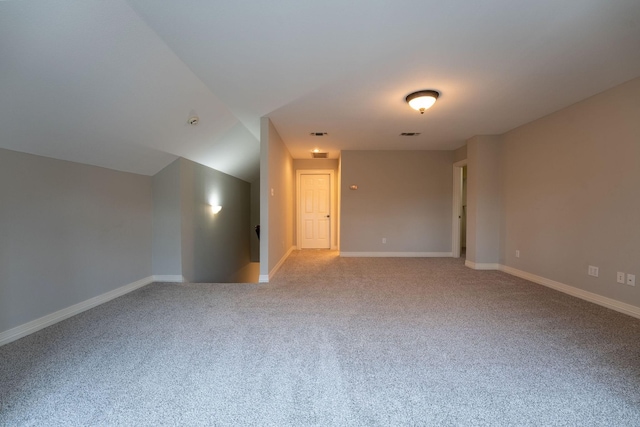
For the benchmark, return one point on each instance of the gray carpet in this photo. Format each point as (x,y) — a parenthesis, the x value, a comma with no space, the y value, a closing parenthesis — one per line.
(332,341)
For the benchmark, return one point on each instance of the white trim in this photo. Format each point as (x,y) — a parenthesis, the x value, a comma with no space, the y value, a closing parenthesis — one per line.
(332,223)
(263,278)
(397,254)
(457,207)
(621,307)
(482,266)
(169,279)
(60,315)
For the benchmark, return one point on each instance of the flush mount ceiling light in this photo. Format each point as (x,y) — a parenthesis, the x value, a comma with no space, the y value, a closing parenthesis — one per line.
(422,100)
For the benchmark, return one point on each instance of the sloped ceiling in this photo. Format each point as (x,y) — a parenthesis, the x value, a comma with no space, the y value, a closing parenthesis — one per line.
(113,83)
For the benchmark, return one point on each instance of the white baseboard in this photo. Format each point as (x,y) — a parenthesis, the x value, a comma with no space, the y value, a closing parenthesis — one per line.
(48,320)
(621,307)
(397,254)
(169,278)
(482,266)
(263,278)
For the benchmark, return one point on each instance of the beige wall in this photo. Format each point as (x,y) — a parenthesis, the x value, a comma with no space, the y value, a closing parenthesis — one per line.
(403,196)
(317,164)
(571,194)
(276,199)
(460,154)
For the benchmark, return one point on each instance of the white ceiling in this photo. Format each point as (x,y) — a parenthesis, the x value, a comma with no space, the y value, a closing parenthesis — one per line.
(113,82)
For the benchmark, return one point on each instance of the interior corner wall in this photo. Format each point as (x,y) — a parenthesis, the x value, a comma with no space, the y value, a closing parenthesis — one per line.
(68,233)
(484,201)
(571,196)
(403,196)
(187,221)
(276,199)
(215,247)
(318,164)
(189,241)
(167,231)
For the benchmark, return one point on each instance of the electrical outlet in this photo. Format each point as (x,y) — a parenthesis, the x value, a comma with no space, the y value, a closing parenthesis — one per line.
(384,240)
(593,271)
(631,279)
(620,277)
(517,253)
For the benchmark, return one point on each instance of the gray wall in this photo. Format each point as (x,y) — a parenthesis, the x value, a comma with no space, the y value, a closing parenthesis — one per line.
(571,196)
(68,232)
(167,232)
(405,196)
(484,198)
(214,247)
(276,173)
(190,241)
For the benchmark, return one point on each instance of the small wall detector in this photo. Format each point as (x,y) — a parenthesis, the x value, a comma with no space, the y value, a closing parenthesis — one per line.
(194,120)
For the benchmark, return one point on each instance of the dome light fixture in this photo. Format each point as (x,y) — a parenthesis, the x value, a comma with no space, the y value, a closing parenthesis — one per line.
(422,100)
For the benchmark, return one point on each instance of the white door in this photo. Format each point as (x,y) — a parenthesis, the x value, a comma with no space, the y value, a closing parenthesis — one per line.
(315,211)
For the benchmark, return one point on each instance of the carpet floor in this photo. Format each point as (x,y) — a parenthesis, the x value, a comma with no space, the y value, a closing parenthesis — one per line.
(332,342)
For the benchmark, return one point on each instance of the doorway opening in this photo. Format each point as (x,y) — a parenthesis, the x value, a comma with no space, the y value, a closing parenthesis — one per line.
(459,218)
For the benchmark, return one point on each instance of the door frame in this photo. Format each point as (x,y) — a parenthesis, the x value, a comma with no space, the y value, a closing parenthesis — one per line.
(332,222)
(456,221)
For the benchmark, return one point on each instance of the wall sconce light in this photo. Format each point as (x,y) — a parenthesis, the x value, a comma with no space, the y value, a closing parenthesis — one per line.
(216,209)
(353,187)
(422,100)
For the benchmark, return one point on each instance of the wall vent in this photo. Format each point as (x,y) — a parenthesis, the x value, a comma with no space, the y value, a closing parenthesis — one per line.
(410,134)
(319,155)
(318,133)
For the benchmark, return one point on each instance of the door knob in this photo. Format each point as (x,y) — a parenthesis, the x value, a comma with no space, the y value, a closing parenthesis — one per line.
(328,216)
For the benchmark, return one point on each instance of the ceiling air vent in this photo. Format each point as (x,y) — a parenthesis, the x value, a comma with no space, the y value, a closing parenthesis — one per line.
(319,155)
(410,134)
